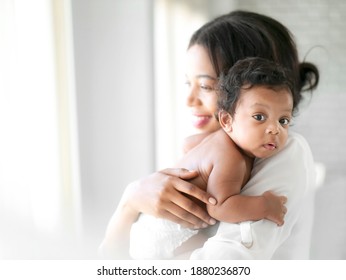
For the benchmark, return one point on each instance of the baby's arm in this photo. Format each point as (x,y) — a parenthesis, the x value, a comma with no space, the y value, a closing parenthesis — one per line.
(225,182)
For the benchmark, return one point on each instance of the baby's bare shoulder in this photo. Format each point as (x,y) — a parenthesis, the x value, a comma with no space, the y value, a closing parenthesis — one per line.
(192,141)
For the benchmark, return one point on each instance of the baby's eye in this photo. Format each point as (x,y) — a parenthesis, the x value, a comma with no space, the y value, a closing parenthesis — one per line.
(284,121)
(259,117)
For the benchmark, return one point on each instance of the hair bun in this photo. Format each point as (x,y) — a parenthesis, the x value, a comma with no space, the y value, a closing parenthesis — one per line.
(309,76)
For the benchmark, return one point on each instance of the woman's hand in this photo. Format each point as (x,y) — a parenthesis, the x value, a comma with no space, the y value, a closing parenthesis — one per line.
(276,207)
(162,195)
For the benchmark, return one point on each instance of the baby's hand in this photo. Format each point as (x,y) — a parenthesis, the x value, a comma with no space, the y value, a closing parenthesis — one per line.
(276,209)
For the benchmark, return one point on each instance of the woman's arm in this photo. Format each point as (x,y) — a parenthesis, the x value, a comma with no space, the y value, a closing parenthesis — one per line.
(162,194)
(115,244)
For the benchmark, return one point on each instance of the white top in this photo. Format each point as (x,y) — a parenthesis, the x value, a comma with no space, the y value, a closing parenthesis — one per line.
(291,173)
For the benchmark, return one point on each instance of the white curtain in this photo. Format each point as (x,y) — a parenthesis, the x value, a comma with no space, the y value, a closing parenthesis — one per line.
(175,21)
(38,167)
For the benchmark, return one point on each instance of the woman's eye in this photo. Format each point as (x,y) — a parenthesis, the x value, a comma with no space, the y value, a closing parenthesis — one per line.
(284,121)
(259,117)
(187,84)
(206,87)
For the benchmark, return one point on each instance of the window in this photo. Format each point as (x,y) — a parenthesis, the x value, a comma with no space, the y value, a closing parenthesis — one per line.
(38,171)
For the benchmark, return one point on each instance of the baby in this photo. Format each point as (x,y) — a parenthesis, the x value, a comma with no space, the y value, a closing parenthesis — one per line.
(255,107)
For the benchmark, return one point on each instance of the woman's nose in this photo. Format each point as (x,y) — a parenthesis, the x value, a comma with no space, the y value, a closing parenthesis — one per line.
(192,98)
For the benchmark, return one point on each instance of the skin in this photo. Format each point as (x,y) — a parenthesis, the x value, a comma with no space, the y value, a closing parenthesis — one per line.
(201,98)
(164,193)
(260,123)
(258,128)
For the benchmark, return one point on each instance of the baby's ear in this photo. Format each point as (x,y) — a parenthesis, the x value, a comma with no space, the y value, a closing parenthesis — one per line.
(225,120)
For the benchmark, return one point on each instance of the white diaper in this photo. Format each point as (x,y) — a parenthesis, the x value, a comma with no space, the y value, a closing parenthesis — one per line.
(153,238)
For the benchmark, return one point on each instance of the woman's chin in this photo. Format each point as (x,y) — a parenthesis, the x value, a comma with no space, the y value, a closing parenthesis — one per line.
(206,129)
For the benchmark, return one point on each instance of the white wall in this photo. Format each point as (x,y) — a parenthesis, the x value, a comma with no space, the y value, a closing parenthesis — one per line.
(114,84)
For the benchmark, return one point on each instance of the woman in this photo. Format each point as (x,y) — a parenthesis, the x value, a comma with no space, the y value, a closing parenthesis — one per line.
(212,50)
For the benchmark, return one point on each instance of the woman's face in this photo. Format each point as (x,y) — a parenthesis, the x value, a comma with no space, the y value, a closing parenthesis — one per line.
(201,81)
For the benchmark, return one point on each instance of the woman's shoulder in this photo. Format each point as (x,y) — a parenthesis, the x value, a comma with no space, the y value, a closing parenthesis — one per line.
(295,155)
(297,144)
(296,138)
(291,167)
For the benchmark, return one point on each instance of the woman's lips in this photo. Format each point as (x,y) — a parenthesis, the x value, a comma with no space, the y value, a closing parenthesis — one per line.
(199,121)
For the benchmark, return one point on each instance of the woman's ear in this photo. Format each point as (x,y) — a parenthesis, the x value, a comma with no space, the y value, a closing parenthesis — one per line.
(225,120)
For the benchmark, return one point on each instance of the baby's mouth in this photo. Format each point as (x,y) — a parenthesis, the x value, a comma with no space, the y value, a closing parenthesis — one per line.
(270,146)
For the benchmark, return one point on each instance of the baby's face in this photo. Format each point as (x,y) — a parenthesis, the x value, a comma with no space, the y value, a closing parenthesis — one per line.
(261,120)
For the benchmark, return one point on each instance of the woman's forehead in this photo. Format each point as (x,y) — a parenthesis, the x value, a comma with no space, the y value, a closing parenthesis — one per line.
(198,63)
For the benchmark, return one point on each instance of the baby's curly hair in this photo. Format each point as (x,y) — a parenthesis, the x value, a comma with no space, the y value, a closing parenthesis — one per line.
(247,73)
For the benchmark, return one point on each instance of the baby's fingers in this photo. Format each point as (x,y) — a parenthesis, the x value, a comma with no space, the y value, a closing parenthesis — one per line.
(281,220)
(283,199)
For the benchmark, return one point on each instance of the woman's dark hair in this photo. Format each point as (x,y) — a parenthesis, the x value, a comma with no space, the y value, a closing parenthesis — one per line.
(248,73)
(242,34)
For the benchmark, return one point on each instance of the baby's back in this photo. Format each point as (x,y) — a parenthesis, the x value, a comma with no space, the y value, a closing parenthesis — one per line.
(216,149)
